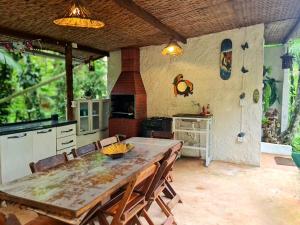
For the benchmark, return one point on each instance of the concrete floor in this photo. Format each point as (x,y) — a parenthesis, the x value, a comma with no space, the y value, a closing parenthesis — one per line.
(229,194)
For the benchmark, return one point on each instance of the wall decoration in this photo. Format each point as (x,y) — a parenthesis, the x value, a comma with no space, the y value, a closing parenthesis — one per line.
(18,47)
(182,87)
(244,70)
(244,46)
(226,59)
(256,96)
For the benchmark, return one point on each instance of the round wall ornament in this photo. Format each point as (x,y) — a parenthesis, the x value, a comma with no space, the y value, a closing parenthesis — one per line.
(256,96)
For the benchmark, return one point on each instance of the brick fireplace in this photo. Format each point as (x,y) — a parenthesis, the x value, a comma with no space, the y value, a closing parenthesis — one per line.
(128,97)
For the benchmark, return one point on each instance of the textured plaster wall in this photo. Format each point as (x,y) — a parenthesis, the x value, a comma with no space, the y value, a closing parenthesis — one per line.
(272,59)
(200,65)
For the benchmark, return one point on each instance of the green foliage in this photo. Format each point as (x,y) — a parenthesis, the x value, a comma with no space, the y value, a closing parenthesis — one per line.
(296,143)
(6,87)
(93,81)
(29,70)
(265,120)
(270,90)
(266,97)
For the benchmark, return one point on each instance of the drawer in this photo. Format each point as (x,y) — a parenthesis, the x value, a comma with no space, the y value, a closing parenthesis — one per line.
(66,142)
(66,131)
(66,150)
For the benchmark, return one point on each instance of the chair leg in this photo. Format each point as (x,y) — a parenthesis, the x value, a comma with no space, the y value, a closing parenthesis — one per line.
(147,218)
(170,193)
(102,219)
(137,220)
(163,206)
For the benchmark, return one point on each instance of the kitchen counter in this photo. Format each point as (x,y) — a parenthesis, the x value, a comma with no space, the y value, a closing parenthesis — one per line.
(33,125)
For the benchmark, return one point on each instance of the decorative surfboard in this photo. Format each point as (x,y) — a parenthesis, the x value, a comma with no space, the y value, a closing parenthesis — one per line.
(226,59)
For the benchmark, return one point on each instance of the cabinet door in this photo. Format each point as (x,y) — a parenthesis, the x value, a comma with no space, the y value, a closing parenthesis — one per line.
(44,143)
(16,154)
(84,112)
(95,115)
(105,114)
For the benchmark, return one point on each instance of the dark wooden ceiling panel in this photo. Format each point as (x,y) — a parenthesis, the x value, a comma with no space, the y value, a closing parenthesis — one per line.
(190,18)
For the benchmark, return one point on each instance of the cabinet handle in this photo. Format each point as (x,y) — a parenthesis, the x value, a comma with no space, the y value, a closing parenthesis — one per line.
(66,131)
(17,136)
(44,131)
(90,133)
(65,143)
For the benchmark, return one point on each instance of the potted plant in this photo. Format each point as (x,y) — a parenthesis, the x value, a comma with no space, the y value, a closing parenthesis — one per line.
(296,150)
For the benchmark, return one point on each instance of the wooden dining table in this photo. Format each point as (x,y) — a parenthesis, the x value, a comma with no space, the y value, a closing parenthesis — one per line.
(69,192)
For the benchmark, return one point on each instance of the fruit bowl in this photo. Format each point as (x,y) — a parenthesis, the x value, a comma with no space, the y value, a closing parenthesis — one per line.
(116,151)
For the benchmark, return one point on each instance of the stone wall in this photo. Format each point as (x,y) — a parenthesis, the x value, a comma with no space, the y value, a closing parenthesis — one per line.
(200,65)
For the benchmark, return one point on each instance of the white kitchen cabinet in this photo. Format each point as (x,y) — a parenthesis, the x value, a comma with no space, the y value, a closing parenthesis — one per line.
(89,116)
(44,143)
(16,154)
(65,138)
(19,149)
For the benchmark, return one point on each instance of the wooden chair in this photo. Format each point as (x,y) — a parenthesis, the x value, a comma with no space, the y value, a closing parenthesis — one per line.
(10,219)
(84,150)
(157,187)
(162,134)
(127,206)
(108,141)
(48,163)
(169,191)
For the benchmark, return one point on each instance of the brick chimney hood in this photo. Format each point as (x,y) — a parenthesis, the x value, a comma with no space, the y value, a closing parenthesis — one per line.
(130,80)
(128,97)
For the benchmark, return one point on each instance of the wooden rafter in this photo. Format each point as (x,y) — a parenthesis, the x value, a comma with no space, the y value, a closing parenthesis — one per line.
(148,17)
(48,40)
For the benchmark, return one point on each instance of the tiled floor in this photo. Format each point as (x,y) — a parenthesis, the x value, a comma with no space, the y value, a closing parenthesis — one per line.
(229,194)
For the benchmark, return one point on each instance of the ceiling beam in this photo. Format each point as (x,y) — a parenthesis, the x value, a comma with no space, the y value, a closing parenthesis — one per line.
(148,17)
(48,40)
(291,31)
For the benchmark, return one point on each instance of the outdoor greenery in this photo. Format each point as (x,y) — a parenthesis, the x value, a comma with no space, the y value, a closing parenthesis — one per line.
(270,96)
(18,72)
(270,90)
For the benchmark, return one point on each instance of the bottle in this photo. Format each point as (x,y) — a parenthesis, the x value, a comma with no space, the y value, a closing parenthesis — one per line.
(208,109)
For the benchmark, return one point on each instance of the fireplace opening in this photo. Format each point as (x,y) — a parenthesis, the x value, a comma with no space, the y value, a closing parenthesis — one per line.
(122,106)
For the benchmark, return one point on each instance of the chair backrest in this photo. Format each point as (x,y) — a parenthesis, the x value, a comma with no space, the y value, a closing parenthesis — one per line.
(162,173)
(10,219)
(84,150)
(162,134)
(143,181)
(108,141)
(48,163)
(177,148)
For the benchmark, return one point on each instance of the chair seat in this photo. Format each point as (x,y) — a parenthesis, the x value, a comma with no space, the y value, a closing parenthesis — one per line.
(135,204)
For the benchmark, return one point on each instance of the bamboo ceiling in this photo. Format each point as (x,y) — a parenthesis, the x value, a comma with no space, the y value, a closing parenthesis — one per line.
(189,18)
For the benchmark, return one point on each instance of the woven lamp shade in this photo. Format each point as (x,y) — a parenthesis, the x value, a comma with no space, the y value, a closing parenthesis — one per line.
(172,49)
(78,16)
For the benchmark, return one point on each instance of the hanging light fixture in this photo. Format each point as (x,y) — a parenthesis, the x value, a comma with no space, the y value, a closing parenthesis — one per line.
(78,16)
(172,49)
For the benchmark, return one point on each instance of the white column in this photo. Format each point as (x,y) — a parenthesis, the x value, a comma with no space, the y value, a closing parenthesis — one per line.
(285,97)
